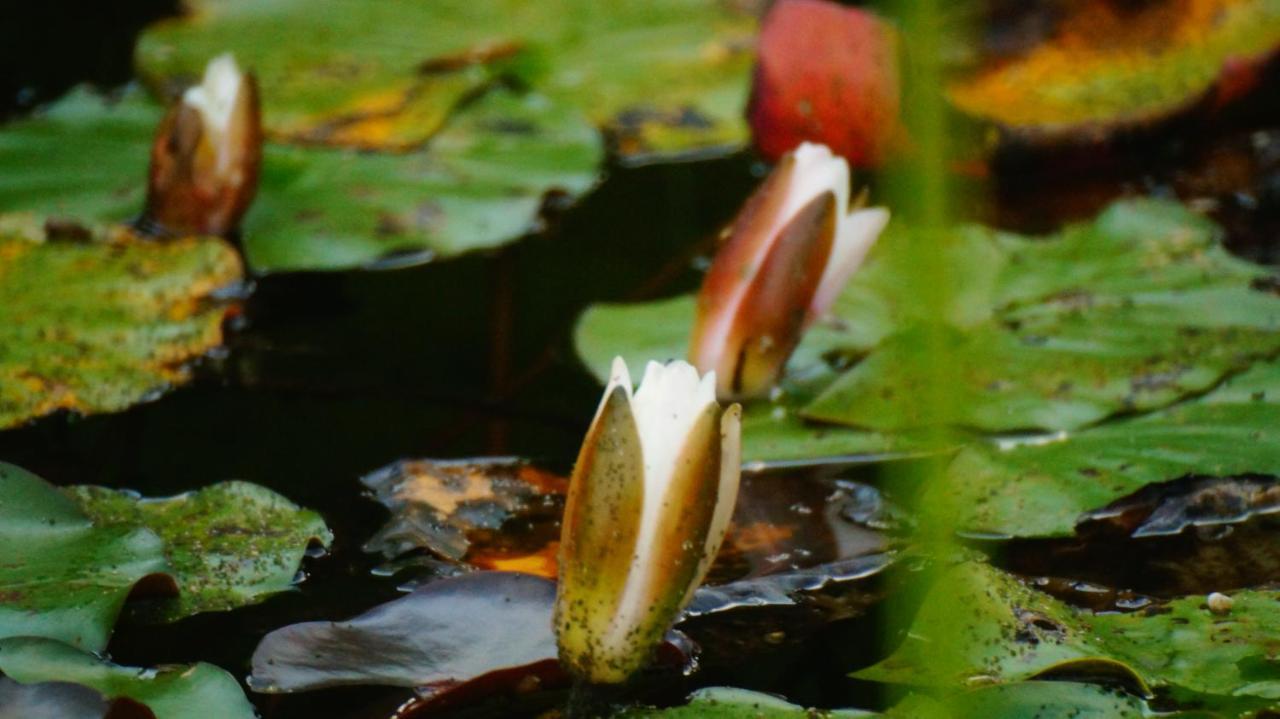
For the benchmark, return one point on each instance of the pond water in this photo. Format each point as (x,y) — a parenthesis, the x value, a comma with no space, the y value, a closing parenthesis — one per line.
(327,377)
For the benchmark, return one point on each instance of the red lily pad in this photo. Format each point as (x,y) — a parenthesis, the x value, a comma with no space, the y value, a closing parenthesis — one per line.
(825,73)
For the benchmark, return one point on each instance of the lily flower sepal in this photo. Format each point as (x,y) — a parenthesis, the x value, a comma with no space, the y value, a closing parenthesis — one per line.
(787,256)
(206,156)
(649,503)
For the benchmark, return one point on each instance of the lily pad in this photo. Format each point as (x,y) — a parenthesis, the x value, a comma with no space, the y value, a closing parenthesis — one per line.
(1039,699)
(728,703)
(96,319)
(63,576)
(439,505)
(1113,64)
(481,184)
(446,633)
(1044,488)
(1128,313)
(229,545)
(997,630)
(180,692)
(665,77)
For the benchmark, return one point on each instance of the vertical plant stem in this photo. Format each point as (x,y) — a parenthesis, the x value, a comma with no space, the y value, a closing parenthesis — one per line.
(922,196)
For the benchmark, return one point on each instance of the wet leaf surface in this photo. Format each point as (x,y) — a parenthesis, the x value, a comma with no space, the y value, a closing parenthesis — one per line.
(228,545)
(1130,312)
(504,514)
(51,699)
(439,505)
(1011,633)
(1110,65)
(481,184)
(96,319)
(178,692)
(443,634)
(1039,699)
(664,77)
(64,577)
(1044,488)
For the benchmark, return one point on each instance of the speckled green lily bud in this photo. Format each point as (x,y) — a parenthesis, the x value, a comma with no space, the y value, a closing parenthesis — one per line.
(649,504)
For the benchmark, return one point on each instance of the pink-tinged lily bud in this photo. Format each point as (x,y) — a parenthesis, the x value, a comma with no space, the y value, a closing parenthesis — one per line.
(789,253)
(205,160)
(649,503)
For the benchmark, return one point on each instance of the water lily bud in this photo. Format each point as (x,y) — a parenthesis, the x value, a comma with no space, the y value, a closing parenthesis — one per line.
(789,253)
(649,503)
(204,163)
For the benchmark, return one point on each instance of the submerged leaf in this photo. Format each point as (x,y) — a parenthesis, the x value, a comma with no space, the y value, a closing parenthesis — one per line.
(179,692)
(1004,632)
(667,76)
(95,320)
(1112,65)
(229,545)
(441,505)
(63,576)
(480,184)
(1044,488)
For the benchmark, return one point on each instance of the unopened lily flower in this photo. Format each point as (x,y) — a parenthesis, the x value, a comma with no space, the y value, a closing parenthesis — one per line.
(649,504)
(788,254)
(206,155)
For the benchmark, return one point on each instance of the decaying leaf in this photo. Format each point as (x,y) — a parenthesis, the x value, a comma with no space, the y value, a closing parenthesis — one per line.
(178,692)
(98,319)
(670,76)
(1113,64)
(440,506)
(228,545)
(503,514)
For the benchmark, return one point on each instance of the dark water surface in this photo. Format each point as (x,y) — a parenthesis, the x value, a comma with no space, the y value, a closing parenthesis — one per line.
(330,376)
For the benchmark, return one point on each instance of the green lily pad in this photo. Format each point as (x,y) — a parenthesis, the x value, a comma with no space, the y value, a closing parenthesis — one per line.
(229,545)
(666,76)
(481,183)
(772,431)
(180,692)
(1128,313)
(1042,488)
(728,703)
(996,630)
(1112,64)
(63,576)
(95,320)
(1039,699)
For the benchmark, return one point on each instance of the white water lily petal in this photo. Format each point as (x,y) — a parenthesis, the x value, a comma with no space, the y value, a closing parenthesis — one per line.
(216,98)
(855,236)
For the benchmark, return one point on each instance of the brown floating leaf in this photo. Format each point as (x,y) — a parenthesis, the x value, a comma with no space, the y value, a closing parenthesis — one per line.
(445,506)
(1114,64)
